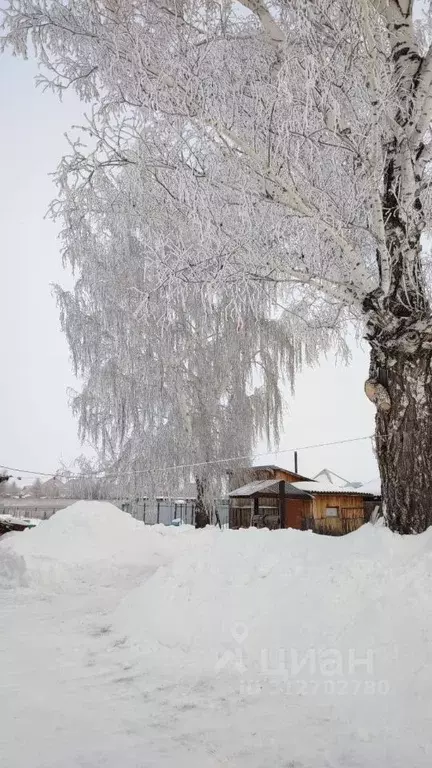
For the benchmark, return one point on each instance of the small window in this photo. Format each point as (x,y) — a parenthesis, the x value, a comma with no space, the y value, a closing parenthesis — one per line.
(332,512)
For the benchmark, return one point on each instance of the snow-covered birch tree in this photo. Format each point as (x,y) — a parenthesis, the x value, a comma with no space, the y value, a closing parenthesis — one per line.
(297,134)
(171,399)
(174,376)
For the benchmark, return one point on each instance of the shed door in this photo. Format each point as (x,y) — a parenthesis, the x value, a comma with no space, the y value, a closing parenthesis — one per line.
(294,510)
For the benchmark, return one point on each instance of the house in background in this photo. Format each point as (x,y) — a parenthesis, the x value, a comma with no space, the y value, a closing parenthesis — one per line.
(244,475)
(373,486)
(327,476)
(288,502)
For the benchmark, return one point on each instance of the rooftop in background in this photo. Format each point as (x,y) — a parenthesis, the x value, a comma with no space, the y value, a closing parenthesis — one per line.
(295,490)
(373,486)
(268,468)
(327,476)
(275,468)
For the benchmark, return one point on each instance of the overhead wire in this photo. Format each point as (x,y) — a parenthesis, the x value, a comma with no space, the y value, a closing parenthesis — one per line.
(101,474)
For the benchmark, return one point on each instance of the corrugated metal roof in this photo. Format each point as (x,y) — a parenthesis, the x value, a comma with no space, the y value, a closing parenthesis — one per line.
(253,487)
(311,486)
(270,487)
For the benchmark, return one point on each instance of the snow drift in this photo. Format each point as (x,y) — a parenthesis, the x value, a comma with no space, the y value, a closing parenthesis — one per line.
(89,536)
(263,595)
(314,632)
(240,648)
(84,531)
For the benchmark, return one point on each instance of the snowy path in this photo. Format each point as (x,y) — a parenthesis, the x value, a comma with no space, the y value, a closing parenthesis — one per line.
(69,698)
(115,665)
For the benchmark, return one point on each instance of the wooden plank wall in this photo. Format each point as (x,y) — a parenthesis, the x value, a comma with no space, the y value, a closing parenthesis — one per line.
(351,512)
(241,510)
(322,501)
(240,517)
(286,475)
(298,512)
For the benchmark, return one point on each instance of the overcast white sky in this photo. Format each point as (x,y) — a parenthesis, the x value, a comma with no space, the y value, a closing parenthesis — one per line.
(37,428)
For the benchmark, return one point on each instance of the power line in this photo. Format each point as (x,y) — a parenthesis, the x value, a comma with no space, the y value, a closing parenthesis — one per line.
(253,456)
(30,472)
(99,474)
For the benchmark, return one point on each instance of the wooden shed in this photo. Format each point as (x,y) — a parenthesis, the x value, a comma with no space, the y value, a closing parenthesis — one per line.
(304,504)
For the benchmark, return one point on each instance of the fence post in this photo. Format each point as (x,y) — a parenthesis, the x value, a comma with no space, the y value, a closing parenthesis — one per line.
(282,503)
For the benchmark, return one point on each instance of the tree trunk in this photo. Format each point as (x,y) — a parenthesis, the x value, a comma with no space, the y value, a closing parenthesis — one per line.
(398,314)
(400,385)
(404,444)
(202,511)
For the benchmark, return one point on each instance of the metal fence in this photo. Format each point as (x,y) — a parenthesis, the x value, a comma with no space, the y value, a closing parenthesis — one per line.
(38,508)
(165,511)
(150,511)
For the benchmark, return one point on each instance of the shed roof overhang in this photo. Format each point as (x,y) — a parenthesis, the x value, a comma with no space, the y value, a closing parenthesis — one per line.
(268,488)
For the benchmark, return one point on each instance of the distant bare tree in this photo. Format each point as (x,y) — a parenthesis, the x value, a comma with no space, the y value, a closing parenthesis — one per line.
(36,489)
(4,478)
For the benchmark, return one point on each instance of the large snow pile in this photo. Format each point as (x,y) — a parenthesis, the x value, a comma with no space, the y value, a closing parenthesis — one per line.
(84,531)
(253,593)
(332,632)
(89,536)
(242,649)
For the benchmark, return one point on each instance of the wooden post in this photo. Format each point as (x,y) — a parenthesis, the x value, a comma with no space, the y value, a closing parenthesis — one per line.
(296,462)
(282,503)
(158,511)
(256,506)
(217,516)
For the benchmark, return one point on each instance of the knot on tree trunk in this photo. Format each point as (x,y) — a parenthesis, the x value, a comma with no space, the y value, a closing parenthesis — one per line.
(378,395)
(392,335)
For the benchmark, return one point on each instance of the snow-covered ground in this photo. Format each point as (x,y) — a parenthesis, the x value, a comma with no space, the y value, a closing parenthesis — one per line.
(147,647)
